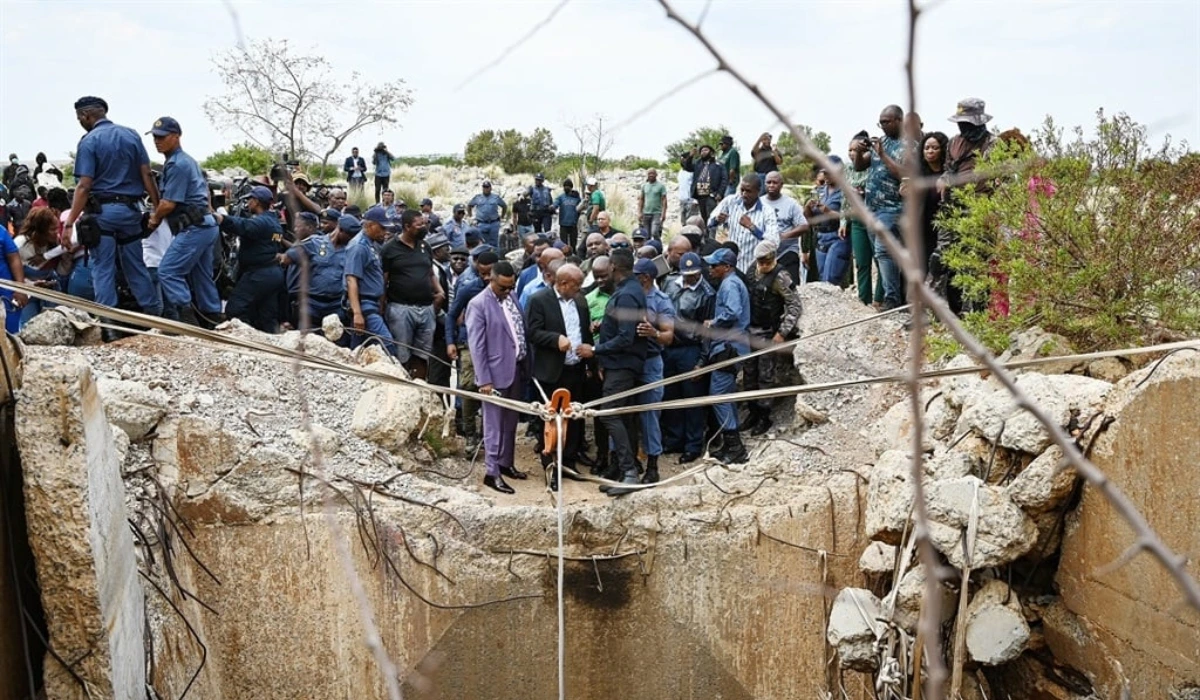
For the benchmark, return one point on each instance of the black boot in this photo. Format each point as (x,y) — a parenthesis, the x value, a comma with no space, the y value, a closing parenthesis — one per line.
(764,421)
(600,466)
(651,475)
(734,451)
(752,420)
(612,472)
(209,321)
(630,478)
(187,315)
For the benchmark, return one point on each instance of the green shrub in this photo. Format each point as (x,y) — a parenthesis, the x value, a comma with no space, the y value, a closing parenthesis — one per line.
(247,156)
(1095,238)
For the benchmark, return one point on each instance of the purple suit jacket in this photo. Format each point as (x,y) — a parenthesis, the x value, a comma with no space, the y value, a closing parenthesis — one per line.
(493,349)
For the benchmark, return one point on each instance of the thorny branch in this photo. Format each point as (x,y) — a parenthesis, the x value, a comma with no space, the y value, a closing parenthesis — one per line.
(921,295)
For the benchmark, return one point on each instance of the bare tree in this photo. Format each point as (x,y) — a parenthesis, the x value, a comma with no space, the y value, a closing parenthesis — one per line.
(281,100)
(595,141)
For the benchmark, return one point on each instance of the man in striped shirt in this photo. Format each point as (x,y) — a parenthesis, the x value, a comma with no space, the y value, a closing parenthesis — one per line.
(749,220)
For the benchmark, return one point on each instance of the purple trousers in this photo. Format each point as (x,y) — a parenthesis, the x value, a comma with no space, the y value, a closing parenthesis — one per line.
(500,431)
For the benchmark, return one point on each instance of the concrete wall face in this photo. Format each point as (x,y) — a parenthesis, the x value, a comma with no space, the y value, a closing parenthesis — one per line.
(1130,625)
(721,613)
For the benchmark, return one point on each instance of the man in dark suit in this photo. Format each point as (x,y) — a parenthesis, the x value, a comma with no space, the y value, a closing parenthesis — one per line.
(560,335)
(496,336)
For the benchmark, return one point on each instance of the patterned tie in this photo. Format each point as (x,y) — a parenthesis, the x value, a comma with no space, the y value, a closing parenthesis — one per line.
(514,317)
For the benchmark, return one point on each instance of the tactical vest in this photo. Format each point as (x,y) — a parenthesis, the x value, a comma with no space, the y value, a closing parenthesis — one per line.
(766,307)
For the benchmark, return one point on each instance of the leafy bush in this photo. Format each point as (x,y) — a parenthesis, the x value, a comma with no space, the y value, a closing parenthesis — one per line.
(1092,237)
(247,156)
(703,136)
(511,150)
(447,160)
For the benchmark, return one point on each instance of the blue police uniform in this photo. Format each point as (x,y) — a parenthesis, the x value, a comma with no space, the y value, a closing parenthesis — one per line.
(455,232)
(326,275)
(113,156)
(541,200)
(732,315)
(488,210)
(658,306)
(260,294)
(693,299)
(364,264)
(186,271)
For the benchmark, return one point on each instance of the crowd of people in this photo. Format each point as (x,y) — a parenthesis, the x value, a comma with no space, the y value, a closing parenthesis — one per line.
(504,300)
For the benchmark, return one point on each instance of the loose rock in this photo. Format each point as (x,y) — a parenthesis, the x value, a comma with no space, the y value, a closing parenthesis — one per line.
(907,606)
(889,497)
(852,628)
(1043,486)
(996,629)
(132,406)
(1003,533)
(878,559)
(48,328)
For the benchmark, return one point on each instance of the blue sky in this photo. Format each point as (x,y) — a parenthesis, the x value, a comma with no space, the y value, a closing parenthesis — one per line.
(832,65)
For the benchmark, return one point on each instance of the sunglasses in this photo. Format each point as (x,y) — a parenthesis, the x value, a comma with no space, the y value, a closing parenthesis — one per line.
(619,246)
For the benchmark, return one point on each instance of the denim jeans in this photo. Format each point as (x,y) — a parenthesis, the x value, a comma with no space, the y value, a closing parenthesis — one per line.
(375,326)
(724,383)
(651,429)
(186,271)
(893,280)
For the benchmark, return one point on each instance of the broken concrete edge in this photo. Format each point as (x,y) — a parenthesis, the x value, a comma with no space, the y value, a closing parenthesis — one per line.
(78,530)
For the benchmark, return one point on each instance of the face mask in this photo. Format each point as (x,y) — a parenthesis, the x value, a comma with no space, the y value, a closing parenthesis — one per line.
(420,233)
(972,132)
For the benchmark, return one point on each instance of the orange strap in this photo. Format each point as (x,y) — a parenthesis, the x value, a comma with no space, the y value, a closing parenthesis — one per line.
(560,402)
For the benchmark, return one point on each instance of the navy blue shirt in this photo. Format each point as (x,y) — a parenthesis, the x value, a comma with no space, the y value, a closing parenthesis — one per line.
(540,198)
(261,238)
(466,289)
(621,347)
(326,267)
(487,208)
(363,262)
(182,180)
(567,205)
(113,157)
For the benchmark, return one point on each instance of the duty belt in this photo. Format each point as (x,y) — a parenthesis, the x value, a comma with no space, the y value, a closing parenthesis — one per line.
(117,199)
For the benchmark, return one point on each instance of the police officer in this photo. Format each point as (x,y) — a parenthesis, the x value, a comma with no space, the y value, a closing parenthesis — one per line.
(541,201)
(455,230)
(729,325)
(693,299)
(364,281)
(329,220)
(488,209)
(112,169)
(326,255)
(185,273)
(774,317)
(260,294)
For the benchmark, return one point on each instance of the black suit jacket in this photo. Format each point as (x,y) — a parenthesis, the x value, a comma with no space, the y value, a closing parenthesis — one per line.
(543,325)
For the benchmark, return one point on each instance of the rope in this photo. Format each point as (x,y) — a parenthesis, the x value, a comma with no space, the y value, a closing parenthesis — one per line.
(770,348)
(562,628)
(778,392)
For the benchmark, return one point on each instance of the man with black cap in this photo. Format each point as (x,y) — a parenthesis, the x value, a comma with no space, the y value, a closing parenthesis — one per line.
(185,272)
(621,354)
(112,169)
(329,220)
(455,229)
(693,299)
(522,215)
(774,318)
(566,205)
(439,365)
(658,328)
(413,293)
(488,210)
(732,160)
(708,179)
(541,200)
(433,222)
(365,285)
(326,256)
(259,295)
(729,327)
(460,258)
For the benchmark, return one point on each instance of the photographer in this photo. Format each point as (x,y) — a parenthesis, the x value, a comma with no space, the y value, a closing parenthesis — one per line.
(185,272)
(382,160)
(708,180)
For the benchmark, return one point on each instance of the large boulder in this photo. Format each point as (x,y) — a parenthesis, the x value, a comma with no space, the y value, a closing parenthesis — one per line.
(878,559)
(894,430)
(853,628)
(1003,531)
(1037,343)
(391,415)
(998,419)
(133,406)
(889,497)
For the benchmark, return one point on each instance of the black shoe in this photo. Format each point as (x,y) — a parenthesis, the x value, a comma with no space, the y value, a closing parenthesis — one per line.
(554,479)
(208,321)
(512,473)
(496,483)
(735,451)
(108,335)
(187,315)
(764,424)
(611,473)
(751,421)
(585,460)
(689,457)
(651,475)
(630,479)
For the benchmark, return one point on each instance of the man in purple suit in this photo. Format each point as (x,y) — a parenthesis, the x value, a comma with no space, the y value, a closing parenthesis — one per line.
(496,336)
